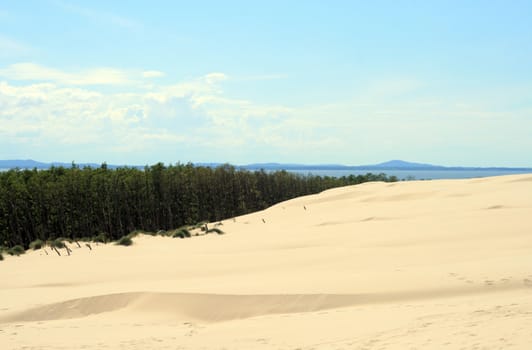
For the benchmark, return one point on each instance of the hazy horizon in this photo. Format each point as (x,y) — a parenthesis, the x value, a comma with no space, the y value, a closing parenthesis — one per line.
(354,83)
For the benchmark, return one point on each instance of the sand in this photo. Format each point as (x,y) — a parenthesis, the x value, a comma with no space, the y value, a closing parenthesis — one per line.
(441,264)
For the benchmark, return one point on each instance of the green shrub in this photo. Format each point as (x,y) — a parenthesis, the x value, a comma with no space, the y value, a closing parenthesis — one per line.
(100,237)
(126,241)
(36,244)
(216,230)
(1,257)
(178,234)
(57,243)
(16,250)
(181,233)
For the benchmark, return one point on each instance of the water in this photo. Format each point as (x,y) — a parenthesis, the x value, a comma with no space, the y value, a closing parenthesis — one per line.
(417,174)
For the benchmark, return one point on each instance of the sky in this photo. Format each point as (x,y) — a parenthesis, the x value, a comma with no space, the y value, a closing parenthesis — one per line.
(314,82)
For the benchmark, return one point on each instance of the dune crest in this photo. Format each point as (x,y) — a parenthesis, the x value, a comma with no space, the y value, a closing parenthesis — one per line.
(224,307)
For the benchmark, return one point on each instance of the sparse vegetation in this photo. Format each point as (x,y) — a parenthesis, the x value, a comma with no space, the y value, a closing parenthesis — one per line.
(57,243)
(16,250)
(181,233)
(215,230)
(125,241)
(36,244)
(100,238)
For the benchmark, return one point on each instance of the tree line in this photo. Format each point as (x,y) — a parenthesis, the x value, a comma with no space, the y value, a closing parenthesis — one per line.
(82,202)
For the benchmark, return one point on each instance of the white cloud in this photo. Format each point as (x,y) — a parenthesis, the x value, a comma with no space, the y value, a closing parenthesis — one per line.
(195,120)
(213,78)
(170,117)
(152,74)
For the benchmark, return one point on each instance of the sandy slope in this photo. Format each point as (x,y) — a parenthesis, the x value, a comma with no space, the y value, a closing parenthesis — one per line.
(410,265)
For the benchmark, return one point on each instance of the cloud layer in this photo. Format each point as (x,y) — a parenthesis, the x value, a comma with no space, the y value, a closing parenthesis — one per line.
(58,110)
(51,114)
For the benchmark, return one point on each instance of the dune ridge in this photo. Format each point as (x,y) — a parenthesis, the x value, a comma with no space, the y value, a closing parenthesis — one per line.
(224,307)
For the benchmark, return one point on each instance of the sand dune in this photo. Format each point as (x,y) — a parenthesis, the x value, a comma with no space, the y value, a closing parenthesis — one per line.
(223,307)
(424,264)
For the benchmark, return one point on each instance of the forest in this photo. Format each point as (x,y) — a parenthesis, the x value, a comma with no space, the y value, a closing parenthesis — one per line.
(76,202)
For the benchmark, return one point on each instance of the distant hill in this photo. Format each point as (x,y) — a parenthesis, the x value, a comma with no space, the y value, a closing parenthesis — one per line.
(389,165)
(401,164)
(23,164)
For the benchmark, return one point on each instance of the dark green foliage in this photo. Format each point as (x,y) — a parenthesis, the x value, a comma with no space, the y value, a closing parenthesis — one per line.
(73,202)
(16,250)
(36,244)
(181,233)
(126,241)
(215,230)
(57,243)
(1,257)
(100,238)
(178,234)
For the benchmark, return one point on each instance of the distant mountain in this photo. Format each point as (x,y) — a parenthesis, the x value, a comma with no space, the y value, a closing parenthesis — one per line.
(23,164)
(389,165)
(401,164)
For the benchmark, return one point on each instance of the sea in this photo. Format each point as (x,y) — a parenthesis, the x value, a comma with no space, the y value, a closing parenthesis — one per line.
(414,174)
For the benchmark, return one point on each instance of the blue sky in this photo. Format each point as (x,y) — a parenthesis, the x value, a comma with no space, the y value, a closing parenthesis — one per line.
(351,82)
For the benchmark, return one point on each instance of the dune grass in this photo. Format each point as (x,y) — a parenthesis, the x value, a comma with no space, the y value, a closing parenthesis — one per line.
(181,233)
(37,244)
(215,230)
(125,241)
(16,250)
(100,238)
(57,243)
